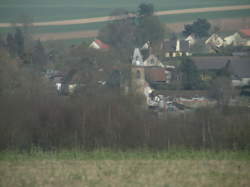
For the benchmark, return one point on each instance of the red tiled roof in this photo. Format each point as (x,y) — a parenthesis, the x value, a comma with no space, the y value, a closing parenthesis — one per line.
(101,44)
(156,74)
(245,32)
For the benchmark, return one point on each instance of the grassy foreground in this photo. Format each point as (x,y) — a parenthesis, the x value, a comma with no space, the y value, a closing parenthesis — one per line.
(109,168)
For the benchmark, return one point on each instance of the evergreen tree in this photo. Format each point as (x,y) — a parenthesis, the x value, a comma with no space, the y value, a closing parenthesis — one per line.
(19,41)
(200,28)
(11,44)
(190,75)
(149,29)
(114,80)
(2,42)
(39,57)
(146,9)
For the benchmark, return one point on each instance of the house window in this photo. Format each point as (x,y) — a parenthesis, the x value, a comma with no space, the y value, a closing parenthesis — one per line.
(138,74)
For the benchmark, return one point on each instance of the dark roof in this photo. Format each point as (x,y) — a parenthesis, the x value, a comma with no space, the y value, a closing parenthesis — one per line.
(155,74)
(145,53)
(238,65)
(211,62)
(169,45)
(241,53)
(184,46)
(241,68)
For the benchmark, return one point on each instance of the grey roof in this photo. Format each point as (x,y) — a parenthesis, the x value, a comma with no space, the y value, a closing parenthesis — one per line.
(184,46)
(170,45)
(241,68)
(238,65)
(211,62)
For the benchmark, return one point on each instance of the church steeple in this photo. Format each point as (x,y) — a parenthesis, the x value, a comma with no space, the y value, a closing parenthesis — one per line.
(137,58)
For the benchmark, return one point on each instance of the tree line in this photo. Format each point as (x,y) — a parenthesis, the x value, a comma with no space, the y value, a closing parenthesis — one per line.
(33,115)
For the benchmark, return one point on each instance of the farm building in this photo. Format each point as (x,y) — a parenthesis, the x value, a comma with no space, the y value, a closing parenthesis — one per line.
(238,67)
(98,44)
(214,40)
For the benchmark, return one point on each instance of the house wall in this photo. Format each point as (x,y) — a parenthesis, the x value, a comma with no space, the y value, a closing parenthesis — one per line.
(205,76)
(177,54)
(94,45)
(245,81)
(241,82)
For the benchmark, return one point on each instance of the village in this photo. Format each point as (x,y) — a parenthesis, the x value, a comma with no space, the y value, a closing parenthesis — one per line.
(125,93)
(156,76)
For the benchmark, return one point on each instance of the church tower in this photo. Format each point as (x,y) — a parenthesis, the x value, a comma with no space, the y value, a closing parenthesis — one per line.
(138,73)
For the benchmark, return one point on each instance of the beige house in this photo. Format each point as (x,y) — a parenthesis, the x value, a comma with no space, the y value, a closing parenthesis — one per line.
(235,40)
(152,60)
(214,40)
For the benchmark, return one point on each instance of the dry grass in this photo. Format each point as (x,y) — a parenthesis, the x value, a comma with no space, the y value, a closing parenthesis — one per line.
(155,173)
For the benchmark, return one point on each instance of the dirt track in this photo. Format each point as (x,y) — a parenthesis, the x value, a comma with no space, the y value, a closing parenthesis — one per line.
(159,13)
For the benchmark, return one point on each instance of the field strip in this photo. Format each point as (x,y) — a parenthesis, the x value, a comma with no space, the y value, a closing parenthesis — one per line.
(66,35)
(200,10)
(228,24)
(159,13)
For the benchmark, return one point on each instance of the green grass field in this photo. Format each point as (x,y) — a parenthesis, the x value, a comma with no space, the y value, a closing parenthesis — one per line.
(47,10)
(133,168)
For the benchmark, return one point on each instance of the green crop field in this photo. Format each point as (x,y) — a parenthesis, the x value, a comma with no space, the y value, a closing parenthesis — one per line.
(47,10)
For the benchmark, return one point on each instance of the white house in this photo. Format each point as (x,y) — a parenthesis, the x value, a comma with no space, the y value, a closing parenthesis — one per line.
(191,40)
(214,40)
(98,44)
(146,45)
(234,39)
(137,58)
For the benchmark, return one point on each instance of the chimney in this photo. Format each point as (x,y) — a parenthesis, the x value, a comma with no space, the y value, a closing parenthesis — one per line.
(177,45)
